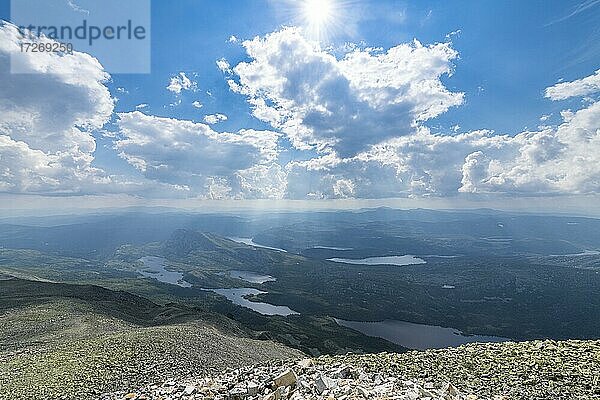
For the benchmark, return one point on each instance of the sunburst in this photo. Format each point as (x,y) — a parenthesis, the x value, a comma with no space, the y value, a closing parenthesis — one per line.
(321,20)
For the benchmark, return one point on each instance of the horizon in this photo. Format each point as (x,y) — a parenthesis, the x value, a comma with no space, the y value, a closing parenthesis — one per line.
(282,207)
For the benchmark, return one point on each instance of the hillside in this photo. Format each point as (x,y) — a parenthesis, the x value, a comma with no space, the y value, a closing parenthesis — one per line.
(76,341)
(527,370)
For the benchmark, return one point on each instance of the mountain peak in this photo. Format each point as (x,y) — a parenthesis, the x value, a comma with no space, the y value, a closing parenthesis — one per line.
(184,241)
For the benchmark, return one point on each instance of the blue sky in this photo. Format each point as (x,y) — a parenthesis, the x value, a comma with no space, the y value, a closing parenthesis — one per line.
(513,50)
(507,53)
(510,51)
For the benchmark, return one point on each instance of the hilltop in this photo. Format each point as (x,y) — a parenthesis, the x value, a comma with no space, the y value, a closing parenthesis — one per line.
(527,370)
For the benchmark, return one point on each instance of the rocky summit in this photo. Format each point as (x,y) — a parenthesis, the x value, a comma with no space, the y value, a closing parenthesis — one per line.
(527,370)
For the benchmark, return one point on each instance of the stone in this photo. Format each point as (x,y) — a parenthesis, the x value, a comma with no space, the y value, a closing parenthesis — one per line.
(189,390)
(342,372)
(305,363)
(276,395)
(323,383)
(238,393)
(450,391)
(252,388)
(286,378)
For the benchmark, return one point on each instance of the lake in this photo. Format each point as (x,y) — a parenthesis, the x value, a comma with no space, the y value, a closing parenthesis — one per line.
(250,242)
(155,268)
(236,296)
(388,260)
(416,336)
(251,277)
(333,248)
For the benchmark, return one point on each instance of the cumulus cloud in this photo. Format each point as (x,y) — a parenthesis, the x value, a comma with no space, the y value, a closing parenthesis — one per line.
(48,113)
(343,104)
(224,66)
(192,155)
(577,88)
(364,113)
(197,104)
(214,118)
(564,159)
(181,82)
(361,116)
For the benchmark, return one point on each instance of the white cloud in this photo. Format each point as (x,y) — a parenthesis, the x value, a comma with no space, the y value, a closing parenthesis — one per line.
(141,106)
(348,104)
(363,113)
(214,118)
(369,106)
(48,116)
(564,159)
(232,39)
(224,66)
(185,153)
(181,82)
(578,88)
(197,104)
(77,8)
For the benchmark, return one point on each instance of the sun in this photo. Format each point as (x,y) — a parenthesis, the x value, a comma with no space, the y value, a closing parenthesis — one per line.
(319,17)
(318,12)
(320,20)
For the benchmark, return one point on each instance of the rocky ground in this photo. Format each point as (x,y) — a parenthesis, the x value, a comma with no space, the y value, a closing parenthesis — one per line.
(83,369)
(528,370)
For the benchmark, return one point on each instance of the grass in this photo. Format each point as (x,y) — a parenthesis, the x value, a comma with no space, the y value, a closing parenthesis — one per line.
(77,341)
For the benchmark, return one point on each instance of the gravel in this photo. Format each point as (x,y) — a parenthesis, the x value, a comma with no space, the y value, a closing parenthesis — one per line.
(527,370)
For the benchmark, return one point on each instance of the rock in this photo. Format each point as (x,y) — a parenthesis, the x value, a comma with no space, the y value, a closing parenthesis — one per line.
(276,395)
(305,363)
(323,383)
(286,378)
(342,372)
(189,390)
(409,376)
(252,388)
(449,392)
(238,393)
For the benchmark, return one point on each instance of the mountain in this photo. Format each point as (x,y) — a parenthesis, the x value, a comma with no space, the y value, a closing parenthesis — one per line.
(62,341)
(474,232)
(184,241)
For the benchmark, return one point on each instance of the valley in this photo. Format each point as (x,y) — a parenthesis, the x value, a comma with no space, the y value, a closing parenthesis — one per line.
(286,294)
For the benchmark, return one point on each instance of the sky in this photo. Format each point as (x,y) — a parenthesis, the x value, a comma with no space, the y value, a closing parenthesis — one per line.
(428,102)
